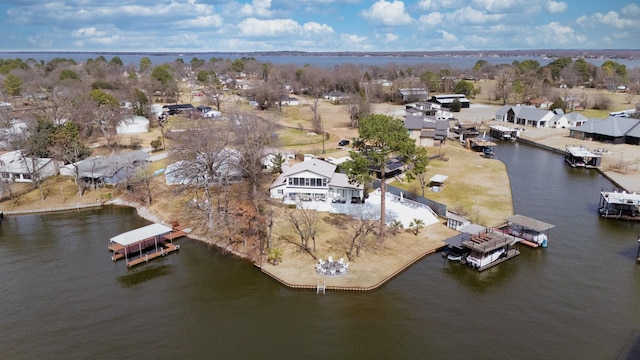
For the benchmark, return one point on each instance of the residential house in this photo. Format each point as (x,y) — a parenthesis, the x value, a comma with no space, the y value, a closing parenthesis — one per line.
(561,120)
(317,180)
(336,96)
(426,130)
(614,130)
(225,162)
(429,109)
(525,115)
(445,100)
(287,100)
(106,170)
(14,166)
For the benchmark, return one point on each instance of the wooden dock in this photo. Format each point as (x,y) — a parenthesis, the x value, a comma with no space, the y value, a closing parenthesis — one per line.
(168,248)
(151,245)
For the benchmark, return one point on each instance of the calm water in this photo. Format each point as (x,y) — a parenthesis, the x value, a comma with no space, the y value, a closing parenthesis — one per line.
(459,62)
(62,297)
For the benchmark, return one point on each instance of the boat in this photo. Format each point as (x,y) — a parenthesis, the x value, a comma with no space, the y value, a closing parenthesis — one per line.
(456,253)
(488,248)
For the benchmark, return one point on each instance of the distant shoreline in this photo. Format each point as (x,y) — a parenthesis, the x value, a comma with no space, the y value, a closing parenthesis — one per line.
(551,53)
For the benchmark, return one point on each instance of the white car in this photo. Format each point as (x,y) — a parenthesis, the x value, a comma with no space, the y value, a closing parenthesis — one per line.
(5,104)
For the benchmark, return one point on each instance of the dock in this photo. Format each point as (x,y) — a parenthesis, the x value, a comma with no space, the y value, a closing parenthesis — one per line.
(579,156)
(503,132)
(489,249)
(141,245)
(619,205)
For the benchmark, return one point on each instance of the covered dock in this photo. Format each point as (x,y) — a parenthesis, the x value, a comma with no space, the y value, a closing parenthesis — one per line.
(579,156)
(619,205)
(489,249)
(481,145)
(503,133)
(531,232)
(143,244)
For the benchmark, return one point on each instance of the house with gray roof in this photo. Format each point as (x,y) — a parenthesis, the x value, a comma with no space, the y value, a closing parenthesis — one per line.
(107,170)
(614,130)
(446,100)
(16,167)
(532,116)
(426,130)
(413,94)
(315,180)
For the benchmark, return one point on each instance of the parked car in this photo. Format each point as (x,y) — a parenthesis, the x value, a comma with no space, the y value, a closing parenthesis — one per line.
(344,142)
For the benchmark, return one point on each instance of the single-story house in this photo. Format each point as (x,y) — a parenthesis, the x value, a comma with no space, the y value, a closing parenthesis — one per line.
(133,125)
(225,162)
(289,101)
(335,96)
(561,120)
(425,130)
(445,100)
(614,130)
(317,180)
(108,170)
(525,115)
(14,166)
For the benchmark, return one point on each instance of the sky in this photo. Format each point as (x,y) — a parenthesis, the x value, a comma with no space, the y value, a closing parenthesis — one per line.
(317,25)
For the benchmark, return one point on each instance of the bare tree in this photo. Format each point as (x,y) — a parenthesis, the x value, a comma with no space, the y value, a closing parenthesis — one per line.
(305,223)
(252,137)
(504,84)
(359,232)
(204,160)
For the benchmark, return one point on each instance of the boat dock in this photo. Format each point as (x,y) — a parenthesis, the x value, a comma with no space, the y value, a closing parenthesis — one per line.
(619,205)
(141,245)
(503,133)
(489,248)
(527,231)
(579,156)
(481,145)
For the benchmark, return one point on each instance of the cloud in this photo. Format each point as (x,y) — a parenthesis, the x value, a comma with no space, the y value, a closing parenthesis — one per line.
(439,5)
(503,5)
(208,21)
(469,15)
(556,7)
(447,36)
(431,20)
(387,13)
(556,34)
(628,21)
(253,27)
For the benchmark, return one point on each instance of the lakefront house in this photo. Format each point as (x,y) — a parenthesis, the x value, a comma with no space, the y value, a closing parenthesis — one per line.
(315,180)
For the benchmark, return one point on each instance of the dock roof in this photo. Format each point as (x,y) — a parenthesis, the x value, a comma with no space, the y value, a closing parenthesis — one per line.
(143,233)
(529,223)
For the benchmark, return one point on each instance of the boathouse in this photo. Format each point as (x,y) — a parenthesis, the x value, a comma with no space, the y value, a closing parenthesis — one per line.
(488,249)
(143,244)
(528,231)
(619,205)
(579,156)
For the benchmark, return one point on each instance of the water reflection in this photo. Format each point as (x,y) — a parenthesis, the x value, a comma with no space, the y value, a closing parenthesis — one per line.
(480,281)
(144,274)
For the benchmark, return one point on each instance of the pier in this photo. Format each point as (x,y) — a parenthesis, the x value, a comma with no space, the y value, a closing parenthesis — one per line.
(141,245)
(579,156)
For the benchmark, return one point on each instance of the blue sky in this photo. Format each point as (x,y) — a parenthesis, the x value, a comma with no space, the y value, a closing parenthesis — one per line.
(317,25)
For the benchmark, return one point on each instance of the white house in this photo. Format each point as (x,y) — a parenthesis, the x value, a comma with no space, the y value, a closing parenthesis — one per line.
(317,180)
(561,120)
(16,167)
(525,115)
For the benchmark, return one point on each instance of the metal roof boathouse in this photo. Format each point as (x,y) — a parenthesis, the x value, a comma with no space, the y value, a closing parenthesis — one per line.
(143,244)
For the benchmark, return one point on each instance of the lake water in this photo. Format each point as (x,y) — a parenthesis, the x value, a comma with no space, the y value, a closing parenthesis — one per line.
(456,62)
(63,298)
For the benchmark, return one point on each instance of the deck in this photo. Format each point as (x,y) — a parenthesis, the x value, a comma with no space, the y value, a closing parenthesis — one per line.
(162,251)
(163,245)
